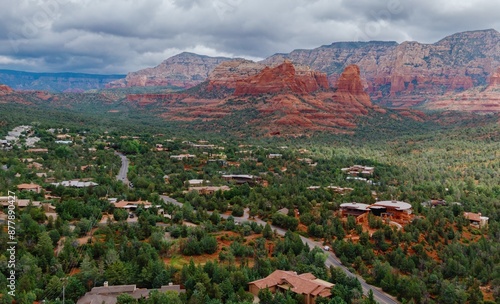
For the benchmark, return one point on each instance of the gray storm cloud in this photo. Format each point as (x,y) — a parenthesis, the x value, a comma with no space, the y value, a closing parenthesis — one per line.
(118,36)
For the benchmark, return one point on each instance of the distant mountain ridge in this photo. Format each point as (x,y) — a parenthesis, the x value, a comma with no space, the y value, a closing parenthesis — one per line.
(409,73)
(395,74)
(183,70)
(55,82)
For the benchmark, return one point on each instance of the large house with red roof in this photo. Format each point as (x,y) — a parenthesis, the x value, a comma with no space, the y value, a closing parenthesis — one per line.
(305,284)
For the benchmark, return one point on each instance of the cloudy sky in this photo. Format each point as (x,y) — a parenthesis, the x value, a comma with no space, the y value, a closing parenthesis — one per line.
(118,36)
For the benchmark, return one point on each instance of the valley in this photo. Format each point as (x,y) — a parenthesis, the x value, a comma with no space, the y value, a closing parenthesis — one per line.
(356,172)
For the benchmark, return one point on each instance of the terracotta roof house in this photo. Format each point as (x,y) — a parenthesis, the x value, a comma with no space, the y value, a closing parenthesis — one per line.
(305,284)
(20,203)
(358,169)
(109,294)
(29,187)
(476,219)
(132,205)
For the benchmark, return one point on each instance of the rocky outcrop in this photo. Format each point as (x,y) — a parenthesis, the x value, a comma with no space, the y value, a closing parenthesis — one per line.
(409,73)
(228,73)
(282,78)
(5,89)
(184,70)
(495,79)
(284,99)
(396,75)
(349,86)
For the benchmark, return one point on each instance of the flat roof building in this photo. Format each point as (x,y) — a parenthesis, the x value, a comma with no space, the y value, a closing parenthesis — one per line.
(390,206)
(354,209)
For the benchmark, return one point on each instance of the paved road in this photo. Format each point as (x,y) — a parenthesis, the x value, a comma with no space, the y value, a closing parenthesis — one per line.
(122,174)
(168,199)
(331,260)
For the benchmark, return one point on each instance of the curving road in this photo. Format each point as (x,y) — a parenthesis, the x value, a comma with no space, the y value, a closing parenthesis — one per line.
(122,174)
(331,260)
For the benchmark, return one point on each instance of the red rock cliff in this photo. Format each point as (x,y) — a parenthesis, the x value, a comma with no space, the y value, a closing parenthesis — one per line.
(282,78)
(5,89)
(349,83)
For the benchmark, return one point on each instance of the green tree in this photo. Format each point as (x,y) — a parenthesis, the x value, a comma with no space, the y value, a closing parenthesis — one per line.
(125,299)
(267,232)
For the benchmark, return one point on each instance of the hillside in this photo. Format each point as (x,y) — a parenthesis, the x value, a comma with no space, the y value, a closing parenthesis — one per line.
(55,82)
(478,99)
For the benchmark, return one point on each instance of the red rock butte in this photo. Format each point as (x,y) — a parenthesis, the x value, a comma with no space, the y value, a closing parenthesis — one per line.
(349,85)
(282,78)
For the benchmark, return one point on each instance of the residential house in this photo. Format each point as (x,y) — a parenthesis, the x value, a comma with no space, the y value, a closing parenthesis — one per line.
(208,190)
(354,209)
(197,182)
(305,284)
(182,156)
(358,169)
(38,150)
(476,219)
(20,203)
(390,207)
(242,178)
(132,205)
(274,155)
(109,294)
(76,184)
(29,187)
(339,190)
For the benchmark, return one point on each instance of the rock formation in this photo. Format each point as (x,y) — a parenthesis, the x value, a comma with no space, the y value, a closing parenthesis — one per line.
(282,78)
(283,99)
(228,73)
(477,99)
(182,70)
(396,75)
(349,86)
(5,89)
(409,73)
(495,79)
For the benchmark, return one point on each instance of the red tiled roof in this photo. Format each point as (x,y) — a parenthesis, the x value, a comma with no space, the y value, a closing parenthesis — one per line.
(28,186)
(476,217)
(302,284)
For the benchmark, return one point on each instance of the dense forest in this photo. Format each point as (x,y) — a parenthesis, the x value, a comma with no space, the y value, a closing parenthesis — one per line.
(435,257)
